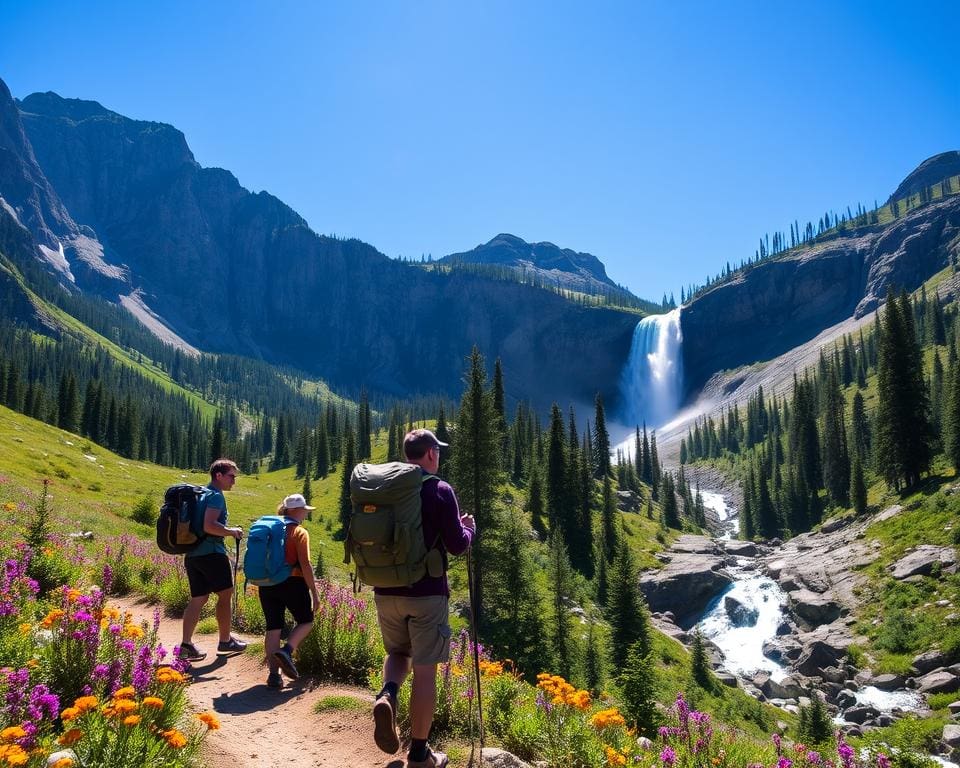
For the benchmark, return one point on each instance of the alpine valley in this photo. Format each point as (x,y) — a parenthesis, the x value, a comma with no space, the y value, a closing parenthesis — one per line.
(749,499)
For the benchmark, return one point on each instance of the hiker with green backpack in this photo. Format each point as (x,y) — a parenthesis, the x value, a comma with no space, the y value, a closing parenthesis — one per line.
(277,563)
(405,521)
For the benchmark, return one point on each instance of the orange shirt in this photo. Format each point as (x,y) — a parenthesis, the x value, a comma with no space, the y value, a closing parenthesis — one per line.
(295,534)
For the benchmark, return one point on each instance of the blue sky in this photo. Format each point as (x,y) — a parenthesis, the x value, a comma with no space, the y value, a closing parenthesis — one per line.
(665,138)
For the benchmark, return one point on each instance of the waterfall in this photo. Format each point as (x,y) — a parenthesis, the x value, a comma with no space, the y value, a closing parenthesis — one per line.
(652,380)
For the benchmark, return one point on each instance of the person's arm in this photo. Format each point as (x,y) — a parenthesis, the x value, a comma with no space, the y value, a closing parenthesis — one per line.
(213,526)
(456,530)
(303,557)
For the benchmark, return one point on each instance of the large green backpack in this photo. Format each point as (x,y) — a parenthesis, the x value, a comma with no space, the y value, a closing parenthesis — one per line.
(385,535)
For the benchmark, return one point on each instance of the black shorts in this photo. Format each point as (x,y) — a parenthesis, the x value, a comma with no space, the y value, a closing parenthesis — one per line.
(208,573)
(291,594)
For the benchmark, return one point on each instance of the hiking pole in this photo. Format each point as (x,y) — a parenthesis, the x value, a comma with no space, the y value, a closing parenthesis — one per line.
(236,568)
(476,645)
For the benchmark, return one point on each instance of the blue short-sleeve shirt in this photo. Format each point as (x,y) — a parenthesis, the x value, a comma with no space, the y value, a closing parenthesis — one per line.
(214,499)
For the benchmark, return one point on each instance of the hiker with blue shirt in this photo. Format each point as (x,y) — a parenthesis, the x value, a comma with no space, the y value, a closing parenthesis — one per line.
(208,566)
(298,593)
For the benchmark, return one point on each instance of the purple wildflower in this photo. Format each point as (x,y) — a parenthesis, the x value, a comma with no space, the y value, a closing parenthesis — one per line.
(668,756)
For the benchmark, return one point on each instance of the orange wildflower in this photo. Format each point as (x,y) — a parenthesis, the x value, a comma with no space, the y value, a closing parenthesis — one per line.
(127,692)
(154,702)
(86,703)
(12,733)
(209,719)
(70,737)
(131,720)
(174,738)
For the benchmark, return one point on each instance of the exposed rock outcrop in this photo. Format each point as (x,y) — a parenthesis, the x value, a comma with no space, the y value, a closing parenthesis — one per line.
(922,560)
(692,577)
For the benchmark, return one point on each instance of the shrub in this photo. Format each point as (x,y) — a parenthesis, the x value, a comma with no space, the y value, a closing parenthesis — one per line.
(897,633)
(144,511)
(344,644)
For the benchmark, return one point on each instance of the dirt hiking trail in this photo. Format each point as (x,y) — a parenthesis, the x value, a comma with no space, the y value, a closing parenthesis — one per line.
(265,728)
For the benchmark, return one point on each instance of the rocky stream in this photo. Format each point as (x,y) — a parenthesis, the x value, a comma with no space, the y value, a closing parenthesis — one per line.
(778,618)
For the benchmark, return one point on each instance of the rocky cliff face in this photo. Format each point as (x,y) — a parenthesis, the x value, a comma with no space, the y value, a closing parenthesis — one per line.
(231,271)
(781,303)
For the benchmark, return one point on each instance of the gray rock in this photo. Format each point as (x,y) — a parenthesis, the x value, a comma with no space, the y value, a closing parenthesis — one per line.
(500,758)
(824,647)
(846,699)
(627,501)
(888,682)
(741,548)
(951,735)
(813,608)
(728,679)
(741,615)
(938,681)
(834,675)
(836,523)
(860,714)
(686,584)
(921,560)
(954,707)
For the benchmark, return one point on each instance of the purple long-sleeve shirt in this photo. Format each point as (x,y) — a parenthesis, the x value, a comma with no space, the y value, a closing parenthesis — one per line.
(441,517)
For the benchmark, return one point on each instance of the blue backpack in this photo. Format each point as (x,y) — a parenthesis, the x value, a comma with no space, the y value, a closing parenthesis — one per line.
(264,562)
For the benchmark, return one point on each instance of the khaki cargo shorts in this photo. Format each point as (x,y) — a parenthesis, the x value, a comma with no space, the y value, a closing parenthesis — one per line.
(418,627)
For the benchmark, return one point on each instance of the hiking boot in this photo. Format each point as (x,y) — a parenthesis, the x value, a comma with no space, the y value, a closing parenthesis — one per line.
(274,680)
(432,760)
(285,660)
(189,652)
(385,733)
(231,647)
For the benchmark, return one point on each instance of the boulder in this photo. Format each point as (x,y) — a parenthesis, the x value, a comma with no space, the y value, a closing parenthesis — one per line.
(834,675)
(727,679)
(954,707)
(697,545)
(500,758)
(860,714)
(788,688)
(951,735)
(846,699)
(814,609)
(888,682)
(822,648)
(686,584)
(938,681)
(921,560)
(836,523)
(741,615)
(627,501)
(741,548)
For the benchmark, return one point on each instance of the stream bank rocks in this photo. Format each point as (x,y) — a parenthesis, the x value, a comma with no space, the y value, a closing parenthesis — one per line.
(820,575)
(692,576)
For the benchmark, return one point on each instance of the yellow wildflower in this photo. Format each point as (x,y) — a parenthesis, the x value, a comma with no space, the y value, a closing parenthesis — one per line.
(614,757)
(25,628)
(133,632)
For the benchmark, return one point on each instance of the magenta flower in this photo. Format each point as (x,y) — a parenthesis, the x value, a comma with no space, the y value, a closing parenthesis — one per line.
(668,756)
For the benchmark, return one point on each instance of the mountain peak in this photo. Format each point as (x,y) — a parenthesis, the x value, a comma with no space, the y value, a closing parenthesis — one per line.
(931,171)
(50,104)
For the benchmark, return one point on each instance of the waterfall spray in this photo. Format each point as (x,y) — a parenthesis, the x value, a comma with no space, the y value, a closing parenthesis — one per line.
(652,383)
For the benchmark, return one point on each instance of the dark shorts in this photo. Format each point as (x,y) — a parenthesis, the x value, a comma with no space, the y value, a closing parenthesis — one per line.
(292,594)
(208,573)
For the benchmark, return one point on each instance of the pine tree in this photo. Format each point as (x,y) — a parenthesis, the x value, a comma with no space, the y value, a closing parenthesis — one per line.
(515,625)
(476,463)
(535,503)
(903,432)
(216,449)
(443,435)
(700,671)
(345,506)
(609,540)
(593,661)
(639,690)
(560,576)
(307,492)
(557,502)
(601,440)
(626,611)
(836,460)
(322,463)
(858,487)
